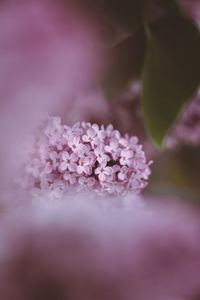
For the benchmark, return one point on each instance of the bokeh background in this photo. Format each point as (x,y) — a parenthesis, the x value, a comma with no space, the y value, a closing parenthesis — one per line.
(132,63)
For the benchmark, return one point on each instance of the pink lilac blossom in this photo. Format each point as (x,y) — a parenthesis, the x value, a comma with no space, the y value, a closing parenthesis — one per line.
(79,250)
(97,157)
(187,129)
(124,113)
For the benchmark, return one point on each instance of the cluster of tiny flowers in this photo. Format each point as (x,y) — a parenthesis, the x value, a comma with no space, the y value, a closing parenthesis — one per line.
(86,156)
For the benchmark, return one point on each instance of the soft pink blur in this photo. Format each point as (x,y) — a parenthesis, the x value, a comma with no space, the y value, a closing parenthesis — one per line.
(47,52)
(187,127)
(48,56)
(192,9)
(79,249)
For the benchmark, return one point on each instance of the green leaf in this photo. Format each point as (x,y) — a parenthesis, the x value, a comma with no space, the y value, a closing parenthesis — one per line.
(171,72)
(176,173)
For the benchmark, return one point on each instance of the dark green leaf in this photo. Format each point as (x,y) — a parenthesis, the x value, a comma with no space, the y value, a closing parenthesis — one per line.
(171,72)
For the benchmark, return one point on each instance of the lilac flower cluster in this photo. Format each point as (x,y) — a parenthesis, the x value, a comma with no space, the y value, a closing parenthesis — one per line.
(88,157)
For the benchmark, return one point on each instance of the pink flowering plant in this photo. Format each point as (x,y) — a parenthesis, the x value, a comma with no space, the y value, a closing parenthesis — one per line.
(86,157)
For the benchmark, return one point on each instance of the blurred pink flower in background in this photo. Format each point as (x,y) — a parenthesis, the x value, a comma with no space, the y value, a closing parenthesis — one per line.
(192,9)
(47,51)
(75,248)
(187,128)
(48,55)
